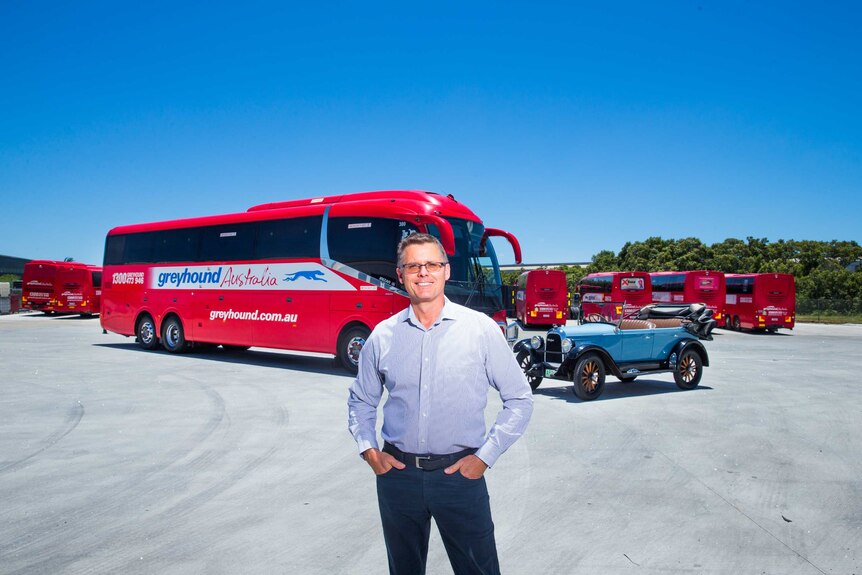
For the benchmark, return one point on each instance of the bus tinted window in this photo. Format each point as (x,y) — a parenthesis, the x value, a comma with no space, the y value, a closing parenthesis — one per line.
(293,238)
(229,242)
(367,244)
(138,249)
(97,279)
(597,284)
(739,285)
(176,245)
(114,246)
(675,282)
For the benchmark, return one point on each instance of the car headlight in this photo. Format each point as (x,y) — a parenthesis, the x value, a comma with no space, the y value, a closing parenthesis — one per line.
(536,342)
(566,345)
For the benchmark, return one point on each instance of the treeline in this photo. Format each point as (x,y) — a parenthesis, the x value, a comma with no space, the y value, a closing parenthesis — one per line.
(820,268)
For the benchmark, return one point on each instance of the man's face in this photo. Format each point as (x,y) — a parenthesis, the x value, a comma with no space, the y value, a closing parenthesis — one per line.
(423,286)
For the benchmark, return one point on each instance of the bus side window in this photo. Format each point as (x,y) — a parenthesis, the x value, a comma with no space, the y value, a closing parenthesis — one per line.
(229,242)
(289,238)
(367,244)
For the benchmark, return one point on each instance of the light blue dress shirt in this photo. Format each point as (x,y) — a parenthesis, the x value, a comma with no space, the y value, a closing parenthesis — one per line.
(437,383)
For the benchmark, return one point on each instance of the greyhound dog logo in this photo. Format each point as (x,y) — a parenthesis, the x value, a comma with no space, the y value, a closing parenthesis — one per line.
(313,275)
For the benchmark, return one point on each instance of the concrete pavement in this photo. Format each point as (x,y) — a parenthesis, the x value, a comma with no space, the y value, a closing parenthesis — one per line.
(118,460)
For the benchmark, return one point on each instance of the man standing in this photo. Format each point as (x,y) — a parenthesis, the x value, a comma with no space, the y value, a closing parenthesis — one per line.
(436,360)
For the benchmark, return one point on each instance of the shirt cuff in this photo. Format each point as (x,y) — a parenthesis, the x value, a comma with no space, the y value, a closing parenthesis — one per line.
(366,444)
(489,454)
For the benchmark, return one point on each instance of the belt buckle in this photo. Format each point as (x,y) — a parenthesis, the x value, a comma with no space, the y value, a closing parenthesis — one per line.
(420,458)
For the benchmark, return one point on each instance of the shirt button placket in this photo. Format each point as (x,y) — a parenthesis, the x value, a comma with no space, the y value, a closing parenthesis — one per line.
(424,377)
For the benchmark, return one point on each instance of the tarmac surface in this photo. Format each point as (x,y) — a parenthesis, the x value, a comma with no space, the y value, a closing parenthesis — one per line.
(118,460)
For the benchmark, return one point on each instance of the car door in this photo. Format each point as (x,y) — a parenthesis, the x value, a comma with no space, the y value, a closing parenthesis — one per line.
(636,345)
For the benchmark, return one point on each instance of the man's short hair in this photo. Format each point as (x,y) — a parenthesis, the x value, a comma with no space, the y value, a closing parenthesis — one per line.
(419,239)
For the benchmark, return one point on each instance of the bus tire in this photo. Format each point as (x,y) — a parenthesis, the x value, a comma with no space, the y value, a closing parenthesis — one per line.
(689,370)
(737,326)
(173,336)
(589,377)
(350,343)
(145,332)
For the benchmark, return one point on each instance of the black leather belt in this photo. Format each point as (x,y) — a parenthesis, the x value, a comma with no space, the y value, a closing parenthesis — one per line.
(428,461)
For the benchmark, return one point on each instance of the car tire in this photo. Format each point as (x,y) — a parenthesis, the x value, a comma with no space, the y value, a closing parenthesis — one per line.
(524,359)
(145,332)
(350,344)
(173,336)
(689,370)
(589,377)
(627,378)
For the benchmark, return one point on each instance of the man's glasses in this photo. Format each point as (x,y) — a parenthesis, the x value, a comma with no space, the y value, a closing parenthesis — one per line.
(432,267)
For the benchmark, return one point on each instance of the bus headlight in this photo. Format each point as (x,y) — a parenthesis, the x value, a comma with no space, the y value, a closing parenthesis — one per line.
(536,342)
(566,345)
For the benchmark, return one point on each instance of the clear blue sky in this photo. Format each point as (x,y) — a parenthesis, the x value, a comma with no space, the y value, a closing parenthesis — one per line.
(578,126)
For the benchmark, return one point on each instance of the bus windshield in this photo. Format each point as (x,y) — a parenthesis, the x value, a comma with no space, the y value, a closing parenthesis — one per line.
(475,273)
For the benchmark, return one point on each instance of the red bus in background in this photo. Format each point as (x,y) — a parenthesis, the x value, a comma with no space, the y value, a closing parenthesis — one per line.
(614,294)
(308,275)
(760,301)
(699,286)
(37,286)
(542,298)
(61,287)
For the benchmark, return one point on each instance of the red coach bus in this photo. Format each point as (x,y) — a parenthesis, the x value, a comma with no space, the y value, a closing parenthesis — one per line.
(700,286)
(61,287)
(37,286)
(542,298)
(760,301)
(309,275)
(614,294)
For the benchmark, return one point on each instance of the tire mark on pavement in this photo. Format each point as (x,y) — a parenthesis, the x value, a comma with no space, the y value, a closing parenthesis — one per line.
(74,415)
(126,529)
(52,527)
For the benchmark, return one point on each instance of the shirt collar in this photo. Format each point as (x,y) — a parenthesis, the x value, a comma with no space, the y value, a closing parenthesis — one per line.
(449,312)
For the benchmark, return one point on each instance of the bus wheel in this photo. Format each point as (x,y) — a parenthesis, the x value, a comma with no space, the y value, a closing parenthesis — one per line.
(525,360)
(736,324)
(146,332)
(173,338)
(689,370)
(350,343)
(589,377)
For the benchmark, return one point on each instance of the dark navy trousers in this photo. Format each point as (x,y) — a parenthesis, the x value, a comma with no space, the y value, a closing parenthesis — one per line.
(410,497)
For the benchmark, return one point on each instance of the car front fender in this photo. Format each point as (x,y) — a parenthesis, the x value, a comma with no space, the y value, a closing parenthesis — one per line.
(694,344)
(575,354)
(523,344)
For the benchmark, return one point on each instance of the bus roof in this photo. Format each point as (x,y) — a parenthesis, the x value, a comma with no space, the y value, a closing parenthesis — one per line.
(380,203)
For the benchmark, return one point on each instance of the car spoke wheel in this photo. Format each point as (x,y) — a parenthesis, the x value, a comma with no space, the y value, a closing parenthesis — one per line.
(146,332)
(525,360)
(589,377)
(689,370)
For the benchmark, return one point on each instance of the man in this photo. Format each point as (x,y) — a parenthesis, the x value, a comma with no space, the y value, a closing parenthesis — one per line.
(436,360)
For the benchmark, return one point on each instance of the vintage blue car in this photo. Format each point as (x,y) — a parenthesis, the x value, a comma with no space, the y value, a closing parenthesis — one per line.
(657,339)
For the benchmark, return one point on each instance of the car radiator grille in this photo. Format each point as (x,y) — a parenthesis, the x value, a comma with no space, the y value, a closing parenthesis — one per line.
(553,348)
